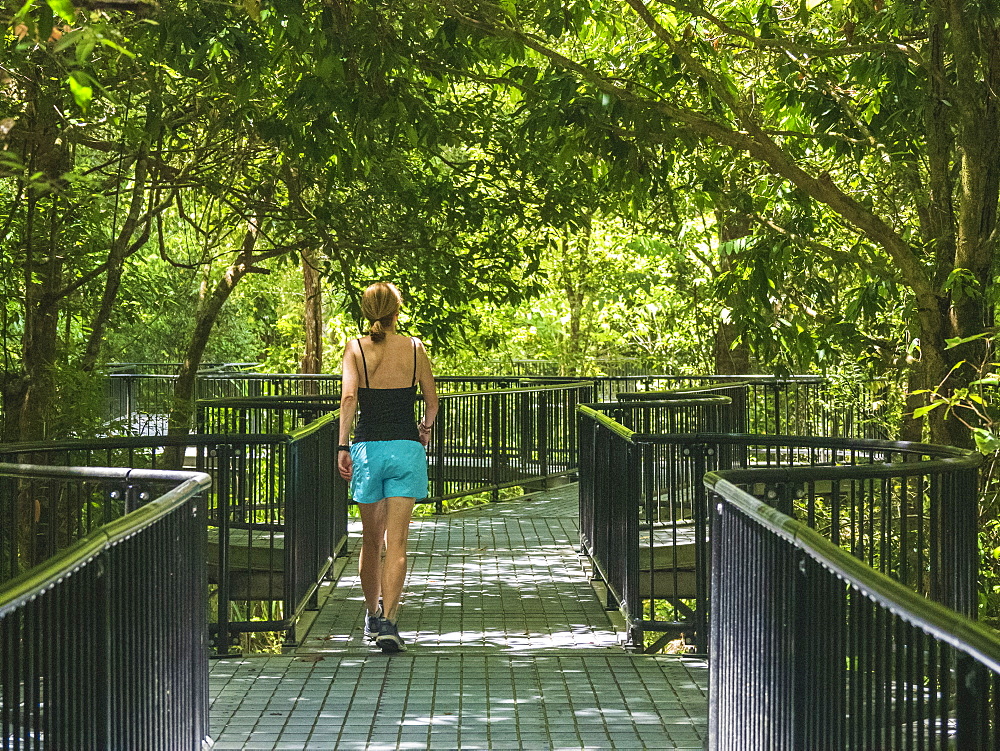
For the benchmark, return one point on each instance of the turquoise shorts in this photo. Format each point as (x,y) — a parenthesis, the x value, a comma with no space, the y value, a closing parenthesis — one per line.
(388,469)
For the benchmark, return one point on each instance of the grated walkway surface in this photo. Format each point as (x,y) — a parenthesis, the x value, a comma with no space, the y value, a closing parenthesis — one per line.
(508,648)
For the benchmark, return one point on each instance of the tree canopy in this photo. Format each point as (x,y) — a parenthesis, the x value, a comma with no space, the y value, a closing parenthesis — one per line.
(709,185)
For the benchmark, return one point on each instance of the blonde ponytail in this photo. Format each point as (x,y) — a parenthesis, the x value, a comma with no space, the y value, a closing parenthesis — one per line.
(379,303)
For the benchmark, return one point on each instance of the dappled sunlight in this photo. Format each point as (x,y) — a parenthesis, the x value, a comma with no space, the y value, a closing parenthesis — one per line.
(507,647)
(506,641)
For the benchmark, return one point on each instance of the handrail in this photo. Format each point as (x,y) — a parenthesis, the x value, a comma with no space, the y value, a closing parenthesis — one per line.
(787,441)
(692,392)
(105,643)
(306,501)
(961,632)
(728,380)
(522,390)
(594,411)
(637,487)
(315,426)
(283,400)
(31,583)
(216,374)
(126,442)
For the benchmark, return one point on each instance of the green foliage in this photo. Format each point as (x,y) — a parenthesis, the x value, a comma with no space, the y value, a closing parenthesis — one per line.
(530,206)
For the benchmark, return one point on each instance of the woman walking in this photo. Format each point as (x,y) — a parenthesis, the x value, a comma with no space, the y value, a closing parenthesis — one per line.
(387,464)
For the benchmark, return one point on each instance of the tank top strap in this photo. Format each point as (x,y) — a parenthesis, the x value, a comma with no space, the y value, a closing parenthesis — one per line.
(414,341)
(364,363)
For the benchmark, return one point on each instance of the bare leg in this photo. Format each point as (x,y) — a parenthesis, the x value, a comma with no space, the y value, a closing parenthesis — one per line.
(373,518)
(397,529)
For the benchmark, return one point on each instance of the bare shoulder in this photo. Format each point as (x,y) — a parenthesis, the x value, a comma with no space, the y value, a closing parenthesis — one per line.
(421,349)
(354,345)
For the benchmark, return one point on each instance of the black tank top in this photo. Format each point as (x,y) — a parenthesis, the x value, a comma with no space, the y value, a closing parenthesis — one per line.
(387,414)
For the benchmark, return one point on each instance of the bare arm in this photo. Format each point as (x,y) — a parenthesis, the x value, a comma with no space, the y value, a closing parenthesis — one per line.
(429,390)
(348,409)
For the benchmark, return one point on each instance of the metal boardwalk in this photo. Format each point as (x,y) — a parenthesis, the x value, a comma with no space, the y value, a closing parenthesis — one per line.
(508,648)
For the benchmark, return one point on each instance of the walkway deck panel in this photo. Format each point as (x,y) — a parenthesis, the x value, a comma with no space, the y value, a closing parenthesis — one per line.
(508,648)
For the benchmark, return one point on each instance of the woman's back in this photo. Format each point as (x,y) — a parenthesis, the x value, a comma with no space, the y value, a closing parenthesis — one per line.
(389,364)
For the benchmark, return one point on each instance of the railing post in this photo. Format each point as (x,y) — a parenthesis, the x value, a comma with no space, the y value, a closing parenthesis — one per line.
(129,404)
(585,492)
(543,433)
(446,424)
(778,427)
(8,536)
(715,506)
(633,502)
(701,542)
(525,434)
(293,487)
(223,497)
(339,498)
(972,705)
(99,615)
(496,438)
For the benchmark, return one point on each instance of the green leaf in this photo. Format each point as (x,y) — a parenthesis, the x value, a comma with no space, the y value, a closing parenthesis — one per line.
(921,411)
(64,9)
(85,47)
(954,342)
(117,47)
(20,15)
(68,40)
(10,163)
(82,91)
(987,442)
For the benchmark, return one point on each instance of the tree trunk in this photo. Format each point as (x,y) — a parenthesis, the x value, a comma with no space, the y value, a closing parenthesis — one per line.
(43,274)
(575,269)
(124,245)
(312,356)
(182,410)
(43,267)
(182,413)
(732,357)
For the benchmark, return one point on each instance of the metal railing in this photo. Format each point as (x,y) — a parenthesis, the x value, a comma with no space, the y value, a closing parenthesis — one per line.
(642,516)
(795,405)
(172,368)
(643,513)
(484,440)
(276,514)
(140,403)
(813,649)
(95,651)
(260,414)
(792,405)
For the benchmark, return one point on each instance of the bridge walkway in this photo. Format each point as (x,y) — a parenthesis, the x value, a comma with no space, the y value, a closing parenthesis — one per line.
(508,648)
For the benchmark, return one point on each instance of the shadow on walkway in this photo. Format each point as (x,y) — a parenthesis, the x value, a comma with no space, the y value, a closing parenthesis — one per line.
(508,648)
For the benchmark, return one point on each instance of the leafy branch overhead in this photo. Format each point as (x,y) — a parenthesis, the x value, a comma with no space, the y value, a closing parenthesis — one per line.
(806,186)
(881,115)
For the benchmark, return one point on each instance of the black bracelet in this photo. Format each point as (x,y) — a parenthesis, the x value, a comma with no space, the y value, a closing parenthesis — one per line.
(343,447)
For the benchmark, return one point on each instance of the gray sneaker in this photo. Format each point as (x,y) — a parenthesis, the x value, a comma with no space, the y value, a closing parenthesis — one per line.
(388,638)
(372,621)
